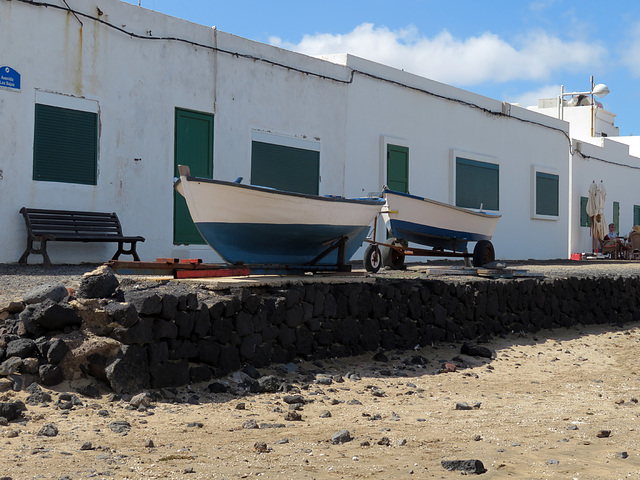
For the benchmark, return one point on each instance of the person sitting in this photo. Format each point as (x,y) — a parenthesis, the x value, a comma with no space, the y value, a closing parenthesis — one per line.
(614,245)
(612,232)
(634,242)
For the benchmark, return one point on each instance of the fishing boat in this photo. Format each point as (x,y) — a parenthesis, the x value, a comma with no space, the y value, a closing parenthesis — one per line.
(247,224)
(445,228)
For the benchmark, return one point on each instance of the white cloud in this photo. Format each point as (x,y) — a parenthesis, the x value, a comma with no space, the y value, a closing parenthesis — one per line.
(530,99)
(541,5)
(631,54)
(468,61)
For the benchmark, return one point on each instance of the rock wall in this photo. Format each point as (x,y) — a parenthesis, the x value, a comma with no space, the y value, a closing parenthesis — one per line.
(162,336)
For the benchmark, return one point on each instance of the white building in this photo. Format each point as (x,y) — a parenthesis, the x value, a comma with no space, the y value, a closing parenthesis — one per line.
(134,93)
(598,154)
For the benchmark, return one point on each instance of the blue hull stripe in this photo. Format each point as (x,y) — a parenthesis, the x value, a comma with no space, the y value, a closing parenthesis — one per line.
(455,240)
(261,243)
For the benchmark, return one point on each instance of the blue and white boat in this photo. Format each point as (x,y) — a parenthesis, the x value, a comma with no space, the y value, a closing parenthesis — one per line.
(435,224)
(247,224)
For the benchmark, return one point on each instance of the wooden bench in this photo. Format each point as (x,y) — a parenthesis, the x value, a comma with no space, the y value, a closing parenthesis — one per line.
(69,226)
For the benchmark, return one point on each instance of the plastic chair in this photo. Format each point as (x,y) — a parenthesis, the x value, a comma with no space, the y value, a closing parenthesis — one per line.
(634,242)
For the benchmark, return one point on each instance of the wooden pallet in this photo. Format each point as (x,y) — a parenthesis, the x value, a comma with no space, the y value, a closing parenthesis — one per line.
(194,268)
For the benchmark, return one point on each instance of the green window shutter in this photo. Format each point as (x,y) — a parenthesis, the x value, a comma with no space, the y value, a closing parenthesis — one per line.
(616,215)
(585,220)
(398,168)
(65,146)
(547,191)
(285,168)
(477,183)
(636,215)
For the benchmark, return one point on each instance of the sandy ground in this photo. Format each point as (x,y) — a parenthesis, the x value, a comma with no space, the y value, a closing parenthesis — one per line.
(541,407)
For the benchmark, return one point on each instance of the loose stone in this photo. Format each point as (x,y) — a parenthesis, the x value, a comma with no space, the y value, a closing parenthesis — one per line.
(120,426)
(250,424)
(341,436)
(465,466)
(293,417)
(48,430)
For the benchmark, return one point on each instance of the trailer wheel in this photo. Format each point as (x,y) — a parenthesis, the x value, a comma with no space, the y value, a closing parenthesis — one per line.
(483,253)
(392,257)
(372,259)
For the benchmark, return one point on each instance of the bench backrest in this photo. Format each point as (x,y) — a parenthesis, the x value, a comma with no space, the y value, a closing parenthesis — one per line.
(65,222)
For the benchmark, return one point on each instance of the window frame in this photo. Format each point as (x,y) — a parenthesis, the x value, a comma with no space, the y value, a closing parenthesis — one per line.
(636,215)
(537,170)
(71,104)
(283,141)
(585,219)
(474,158)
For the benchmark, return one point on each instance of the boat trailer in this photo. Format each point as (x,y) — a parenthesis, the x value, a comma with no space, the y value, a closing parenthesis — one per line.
(392,253)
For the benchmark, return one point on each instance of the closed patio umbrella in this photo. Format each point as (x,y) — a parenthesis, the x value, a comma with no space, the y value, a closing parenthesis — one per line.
(595,210)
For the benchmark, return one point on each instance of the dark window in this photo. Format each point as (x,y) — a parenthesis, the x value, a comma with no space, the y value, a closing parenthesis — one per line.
(585,220)
(547,188)
(65,147)
(285,168)
(477,184)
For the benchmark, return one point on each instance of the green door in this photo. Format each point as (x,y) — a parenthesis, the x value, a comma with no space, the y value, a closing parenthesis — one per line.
(194,148)
(398,168)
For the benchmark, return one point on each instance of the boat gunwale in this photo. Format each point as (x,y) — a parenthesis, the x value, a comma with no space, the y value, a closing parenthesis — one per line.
(436,202)
(377,201)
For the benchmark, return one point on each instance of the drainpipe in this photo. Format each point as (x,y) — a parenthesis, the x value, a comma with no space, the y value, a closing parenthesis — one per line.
(570,202)
(215,68)
(593,120)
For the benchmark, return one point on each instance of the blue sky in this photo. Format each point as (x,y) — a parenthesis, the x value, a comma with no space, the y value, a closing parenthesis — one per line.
(511,50)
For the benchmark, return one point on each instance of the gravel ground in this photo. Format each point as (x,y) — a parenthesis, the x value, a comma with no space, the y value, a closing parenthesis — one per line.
(16,280)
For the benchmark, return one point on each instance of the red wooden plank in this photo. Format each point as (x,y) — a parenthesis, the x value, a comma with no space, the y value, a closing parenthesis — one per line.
(212,273)
(167,260)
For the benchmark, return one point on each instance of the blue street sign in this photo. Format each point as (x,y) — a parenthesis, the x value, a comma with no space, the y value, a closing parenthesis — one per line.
(9,78)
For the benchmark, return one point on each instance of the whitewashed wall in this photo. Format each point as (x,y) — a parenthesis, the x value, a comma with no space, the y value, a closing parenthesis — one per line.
(433,128)
(349,107)
(136,85)
(606,160)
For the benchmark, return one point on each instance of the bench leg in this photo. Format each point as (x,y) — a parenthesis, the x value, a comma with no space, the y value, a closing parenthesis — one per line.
(130,251)
(46,261)
(23,258)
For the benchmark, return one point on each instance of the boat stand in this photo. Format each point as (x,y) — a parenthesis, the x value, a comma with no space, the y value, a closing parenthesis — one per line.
(194,268)
(339,244)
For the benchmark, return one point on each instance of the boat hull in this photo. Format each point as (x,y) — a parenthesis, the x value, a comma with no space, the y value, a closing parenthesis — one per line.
(284,244)
(435,224)
(258,225)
